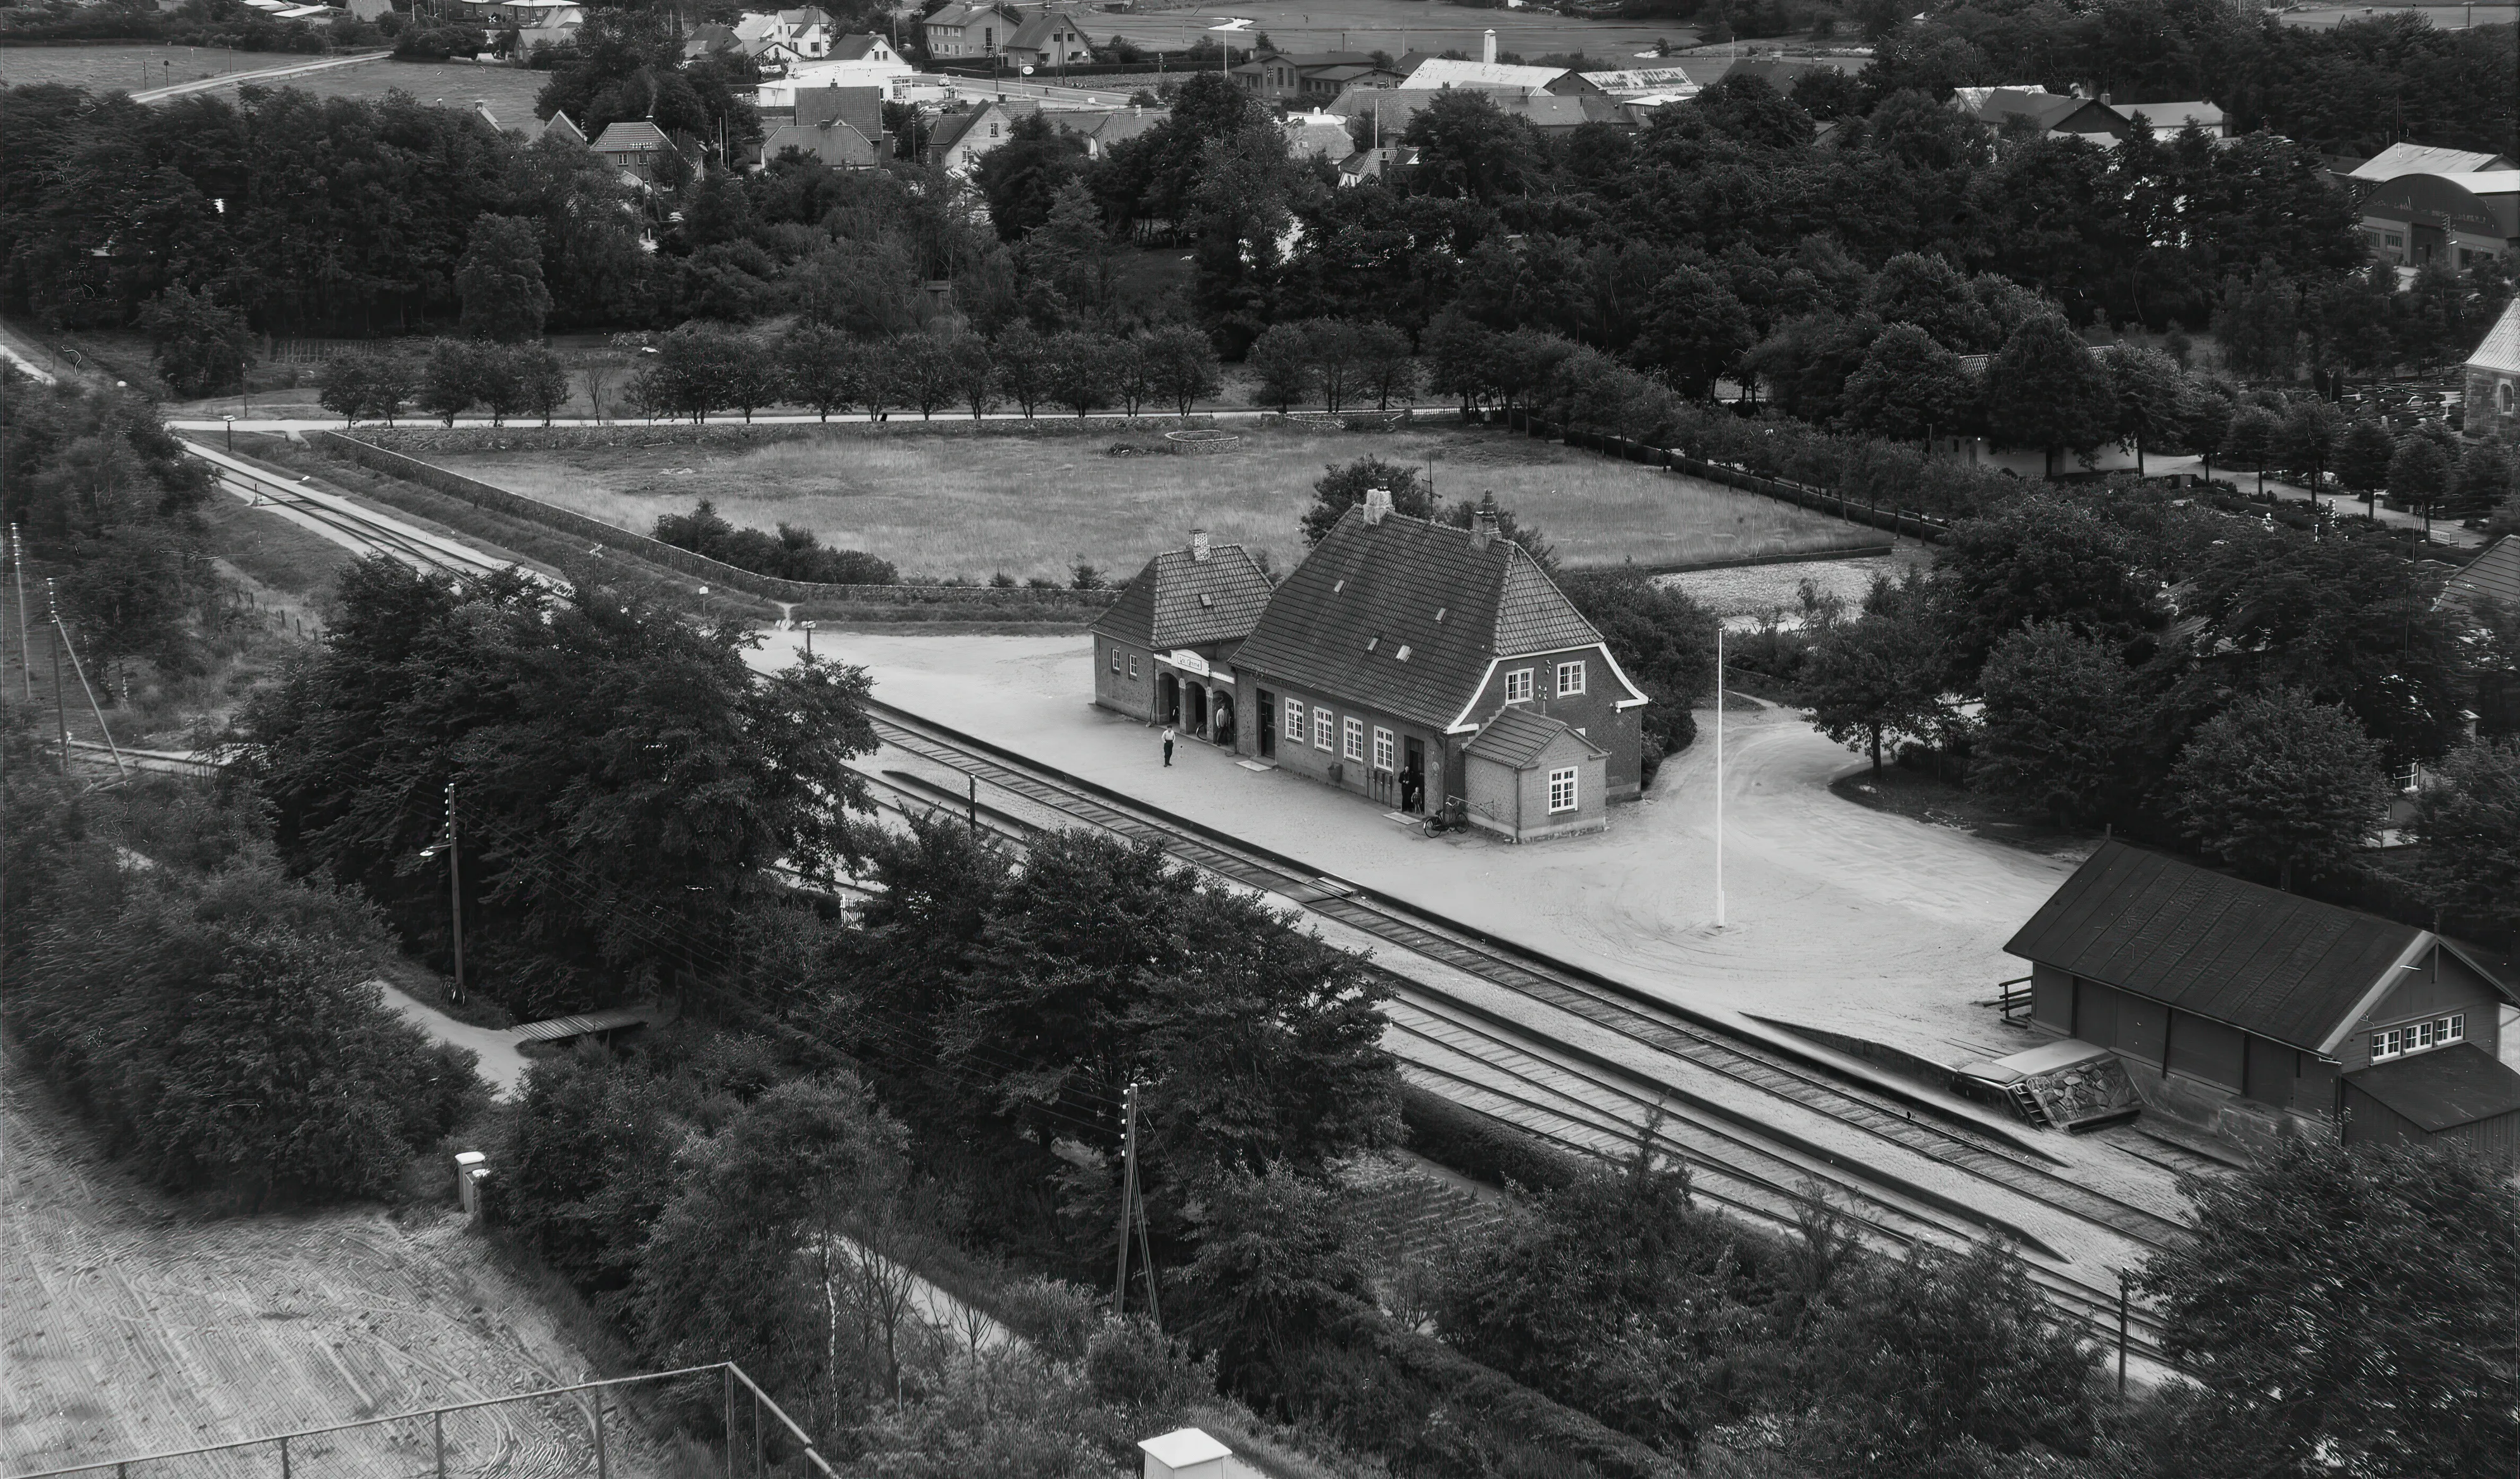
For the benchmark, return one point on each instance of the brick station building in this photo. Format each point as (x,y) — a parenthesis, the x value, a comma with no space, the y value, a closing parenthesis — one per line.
(1159,651)
(1414,664)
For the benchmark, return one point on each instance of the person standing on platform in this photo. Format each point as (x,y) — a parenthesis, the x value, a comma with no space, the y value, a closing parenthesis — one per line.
(1168,746)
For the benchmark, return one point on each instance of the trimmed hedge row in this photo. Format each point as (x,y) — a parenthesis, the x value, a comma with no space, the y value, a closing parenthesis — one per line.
(423,439)
(1482,1148)
(657,551)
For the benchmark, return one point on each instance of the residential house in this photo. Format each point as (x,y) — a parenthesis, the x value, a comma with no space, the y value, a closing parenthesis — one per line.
(1492,77)
(1311,79)
(841,126)
(1106,129)
(1376,162)
(803,35)
(1553,113)
(1317,136)
(632,146)
(852,60)
(1049,39)
(2166,119)
(956,140)
(2048,112)
(969,29)
(534,20)
(706,39)
(2257,1014)
(1398,642)
(1163,651)
(560,125)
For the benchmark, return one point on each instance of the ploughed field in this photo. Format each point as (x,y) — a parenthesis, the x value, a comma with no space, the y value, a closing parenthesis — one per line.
(1035,505)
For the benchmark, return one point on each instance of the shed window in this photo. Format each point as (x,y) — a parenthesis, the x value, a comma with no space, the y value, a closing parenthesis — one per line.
(1562,789)
(1570,679)
(1383,749)
(1517,686)
(2418,1037)
(1323,730)
(1352,739)
(1295,720)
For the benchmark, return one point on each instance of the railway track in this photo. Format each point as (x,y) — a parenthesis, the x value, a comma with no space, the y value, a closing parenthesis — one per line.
(1511,1065)
(341,521)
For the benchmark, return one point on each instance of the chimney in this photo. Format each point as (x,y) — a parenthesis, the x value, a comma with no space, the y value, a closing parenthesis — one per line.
(1198,546)
(1487,49)
(2104,100)
(1377,504)
(1483,530)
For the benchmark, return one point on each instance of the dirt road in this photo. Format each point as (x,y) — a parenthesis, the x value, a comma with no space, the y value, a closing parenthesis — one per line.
(131,1323)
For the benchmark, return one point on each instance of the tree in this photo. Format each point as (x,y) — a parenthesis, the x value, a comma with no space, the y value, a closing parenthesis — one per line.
(2419,472)
(2484,478)
(1880,675)
(924,367)
(350,386)
(1664,640)
(975,373)
(2346,1310)
(1024,176)
(199,345)
(450,382)
(1070,251)
(1468,148)
(1282,360)
(824,367)
(621,770)
(498,380)
(2038,558)
(1460,356)
(2362,457)
(1181,366)
(1929,292)
(544,379)
(587,1167)
(2259,326)
(128,600)
(1942,1362)
(2060,723)
(2306,439)
(747,378)
(1025,364)
(2467,819)
(869,288)
(1384,369)
(2047,390)
(501,280)
(1276,1265)
(2250,441)
(1693,331)
(1908,388)
(2278,783)
(1339,489)
(1082,371)
(2147,384)
(695,370)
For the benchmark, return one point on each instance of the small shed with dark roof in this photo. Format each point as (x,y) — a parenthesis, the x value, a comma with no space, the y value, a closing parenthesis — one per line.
(1529,776)
(2237,1006)
(1163,651)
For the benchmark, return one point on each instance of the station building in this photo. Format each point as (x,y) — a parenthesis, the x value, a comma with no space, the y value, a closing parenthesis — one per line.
(1418,664)
(1160,652)
(2255,1013)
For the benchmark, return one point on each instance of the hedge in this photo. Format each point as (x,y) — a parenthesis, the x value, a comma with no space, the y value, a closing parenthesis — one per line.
(1480,1147)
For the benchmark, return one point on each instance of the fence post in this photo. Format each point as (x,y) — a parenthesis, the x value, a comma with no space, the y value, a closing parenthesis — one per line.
(729,1421)
(283,1459)
(437,1439)
(602,1470)
(756,1429)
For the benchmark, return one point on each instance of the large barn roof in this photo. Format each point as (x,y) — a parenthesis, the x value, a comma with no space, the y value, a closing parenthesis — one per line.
(2254,957)
(1408,615)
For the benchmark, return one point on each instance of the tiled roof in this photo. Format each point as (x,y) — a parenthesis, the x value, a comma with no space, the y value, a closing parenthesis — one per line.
(855,48)
(2424,159)
(630,138)
(1037,31)
(2494,576)
(949,129)
(1442,71)
(1369,592)
(2268,962)
(2500,349)
(560,123)
(1178,602)
(860,107)
(1518,737)
(836,143)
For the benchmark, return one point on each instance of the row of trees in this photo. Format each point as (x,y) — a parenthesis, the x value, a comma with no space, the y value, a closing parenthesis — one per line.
(698,369)
(454,377)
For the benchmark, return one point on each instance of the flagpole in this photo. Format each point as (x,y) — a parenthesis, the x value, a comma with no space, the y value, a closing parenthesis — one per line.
(1719,775)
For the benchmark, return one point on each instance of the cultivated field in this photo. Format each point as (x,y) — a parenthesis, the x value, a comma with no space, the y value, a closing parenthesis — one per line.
(509,90)
(1034,506)
(134,1324)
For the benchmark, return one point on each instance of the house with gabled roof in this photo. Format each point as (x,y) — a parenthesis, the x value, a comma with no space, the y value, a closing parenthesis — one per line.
(2255,1014)
(2490,382)
(958,140)
(633,146)
(1163,653)
(841,126)
(966,28)
(1398,642)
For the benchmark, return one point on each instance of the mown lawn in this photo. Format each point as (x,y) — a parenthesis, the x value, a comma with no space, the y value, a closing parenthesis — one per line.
(1036,504)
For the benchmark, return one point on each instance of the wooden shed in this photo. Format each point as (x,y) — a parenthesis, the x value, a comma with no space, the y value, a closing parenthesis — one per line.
(2235,1006)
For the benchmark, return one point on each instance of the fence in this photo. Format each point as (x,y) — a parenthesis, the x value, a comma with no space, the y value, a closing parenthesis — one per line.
(486,1437)
(1905,521)
(674,558)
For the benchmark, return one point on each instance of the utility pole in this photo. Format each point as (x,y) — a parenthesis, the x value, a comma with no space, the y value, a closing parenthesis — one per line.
(1132,1210)
(1719,775)
(60,699)
(25,659)
(2123,1277)
(454,888)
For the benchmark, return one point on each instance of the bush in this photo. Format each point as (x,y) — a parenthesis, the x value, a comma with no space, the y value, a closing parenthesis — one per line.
(793,554)
(1479,1148)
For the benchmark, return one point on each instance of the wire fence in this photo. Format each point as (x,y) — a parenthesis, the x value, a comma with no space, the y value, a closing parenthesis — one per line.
(598,1428)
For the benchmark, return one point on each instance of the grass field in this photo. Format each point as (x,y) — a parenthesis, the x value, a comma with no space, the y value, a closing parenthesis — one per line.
(509,90)
(1396,26)
(1034,506)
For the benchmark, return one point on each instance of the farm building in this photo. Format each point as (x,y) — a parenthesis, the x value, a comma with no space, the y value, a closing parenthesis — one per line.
(2255,1014)
(1380,662)
(1161,649)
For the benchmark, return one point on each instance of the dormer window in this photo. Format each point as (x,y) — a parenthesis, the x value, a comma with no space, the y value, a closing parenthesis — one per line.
(1371,643)
(1439,614)
(1403,654)
(1338,585)
(1208,600)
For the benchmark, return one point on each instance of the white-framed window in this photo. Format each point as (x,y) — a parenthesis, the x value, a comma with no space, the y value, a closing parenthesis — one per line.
(1570,679)
(1115,660)
(1323,730)
(1562,789)
(1352,739)
(1295,720)
(1517,686)
(1133,664)
(1383,749)
(2418,1037)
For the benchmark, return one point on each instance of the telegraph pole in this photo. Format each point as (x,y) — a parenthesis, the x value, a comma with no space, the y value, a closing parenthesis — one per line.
(26,659)
(1133,1209)
(454,888)
(1719,775)
(61,699)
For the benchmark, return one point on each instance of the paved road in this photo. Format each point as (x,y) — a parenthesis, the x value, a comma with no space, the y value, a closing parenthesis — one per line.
(265,74)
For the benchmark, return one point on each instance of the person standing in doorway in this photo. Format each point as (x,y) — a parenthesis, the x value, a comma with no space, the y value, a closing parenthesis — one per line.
(1168,746)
